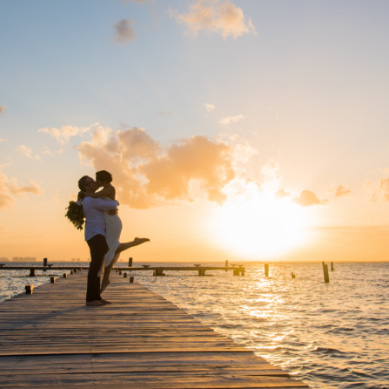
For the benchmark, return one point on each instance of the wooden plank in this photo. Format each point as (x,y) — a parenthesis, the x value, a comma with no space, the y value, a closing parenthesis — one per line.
(51,339)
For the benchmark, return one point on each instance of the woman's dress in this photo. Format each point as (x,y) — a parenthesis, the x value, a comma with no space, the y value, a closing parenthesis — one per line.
(113,229)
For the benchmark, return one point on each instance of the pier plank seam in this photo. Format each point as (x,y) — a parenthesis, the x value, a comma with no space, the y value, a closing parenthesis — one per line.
(50,338)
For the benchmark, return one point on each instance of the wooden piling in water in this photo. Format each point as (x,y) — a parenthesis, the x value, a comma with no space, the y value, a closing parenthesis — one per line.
(29,288)
(130,262)
(325,272)
(266,270)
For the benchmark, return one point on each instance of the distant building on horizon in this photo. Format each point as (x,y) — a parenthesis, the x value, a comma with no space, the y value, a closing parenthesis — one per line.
(24,259)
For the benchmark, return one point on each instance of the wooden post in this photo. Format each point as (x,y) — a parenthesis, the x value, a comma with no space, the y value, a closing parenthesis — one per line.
(158,272)
(236,272)
(32,274)
(29,289)
(266,269)
(131,280)
(332,266)
(72,271)
(64,275)
(201,272)
(226,264)
(293,276)
(325,272)
(130,262)
(52,280)
(242,271)
(120,272)
(44,261)
(125,275)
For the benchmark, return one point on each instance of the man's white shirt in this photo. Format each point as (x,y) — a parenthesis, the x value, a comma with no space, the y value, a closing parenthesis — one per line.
(94,216)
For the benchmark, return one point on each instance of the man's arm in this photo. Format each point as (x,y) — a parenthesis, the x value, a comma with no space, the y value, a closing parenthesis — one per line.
(103,205)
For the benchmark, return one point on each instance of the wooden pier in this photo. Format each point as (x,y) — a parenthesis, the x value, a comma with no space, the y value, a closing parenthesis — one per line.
(50,339)
(238,270)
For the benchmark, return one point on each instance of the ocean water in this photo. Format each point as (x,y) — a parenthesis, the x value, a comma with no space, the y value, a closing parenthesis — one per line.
(330,335)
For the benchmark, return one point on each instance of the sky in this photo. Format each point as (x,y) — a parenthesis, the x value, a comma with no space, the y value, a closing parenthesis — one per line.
(234,129)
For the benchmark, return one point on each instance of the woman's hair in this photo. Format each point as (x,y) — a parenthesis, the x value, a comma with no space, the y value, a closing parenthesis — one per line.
(103,176)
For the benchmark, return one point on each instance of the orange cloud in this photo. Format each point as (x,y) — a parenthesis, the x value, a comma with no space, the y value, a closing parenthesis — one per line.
(147,174)
(341,191)
(124,31)
(62,135)
(217,16)
(10,189)
(308,198)
(17,189)
(384,188)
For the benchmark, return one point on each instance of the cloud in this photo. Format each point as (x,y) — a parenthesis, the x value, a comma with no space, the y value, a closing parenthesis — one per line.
(231,119)
(281,193)
(11,188)
(308,198)
(63,134)
(342,191)
(209,107)
(124,32)
(216,16)
(27,152)
(2,109)
(384,188)
(378,190)
(147,174)
(5,196)
(17,189)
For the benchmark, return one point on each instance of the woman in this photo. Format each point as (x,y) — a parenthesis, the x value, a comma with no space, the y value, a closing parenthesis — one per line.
(113,226)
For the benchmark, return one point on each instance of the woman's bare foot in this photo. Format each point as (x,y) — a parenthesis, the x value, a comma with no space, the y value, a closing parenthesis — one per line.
(135,242)
(138,241)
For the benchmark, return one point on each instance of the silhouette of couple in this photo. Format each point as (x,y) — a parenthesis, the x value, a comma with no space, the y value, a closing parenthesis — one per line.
(102,232)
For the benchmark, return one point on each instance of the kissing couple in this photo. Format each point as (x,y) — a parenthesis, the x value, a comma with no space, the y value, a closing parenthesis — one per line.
(102,232)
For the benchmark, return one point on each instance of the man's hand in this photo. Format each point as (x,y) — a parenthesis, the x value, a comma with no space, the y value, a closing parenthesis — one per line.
(113,211)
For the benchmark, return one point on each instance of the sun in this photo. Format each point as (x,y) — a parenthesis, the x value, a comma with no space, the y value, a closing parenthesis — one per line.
(260,225)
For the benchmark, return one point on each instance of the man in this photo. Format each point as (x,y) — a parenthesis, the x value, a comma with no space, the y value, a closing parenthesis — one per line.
(95,237)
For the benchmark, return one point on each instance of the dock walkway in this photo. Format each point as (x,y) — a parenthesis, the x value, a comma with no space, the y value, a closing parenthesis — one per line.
(50,339)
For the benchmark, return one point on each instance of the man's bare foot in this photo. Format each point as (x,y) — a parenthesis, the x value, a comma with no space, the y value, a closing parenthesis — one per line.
(138,241)
(104,285)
